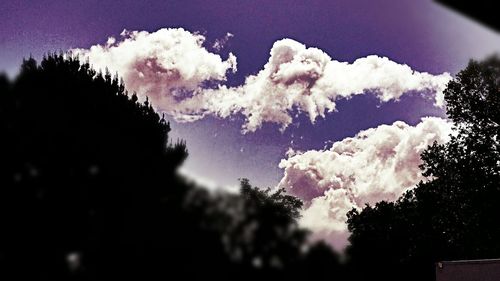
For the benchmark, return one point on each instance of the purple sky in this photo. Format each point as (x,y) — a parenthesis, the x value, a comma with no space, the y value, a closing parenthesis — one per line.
(421,34)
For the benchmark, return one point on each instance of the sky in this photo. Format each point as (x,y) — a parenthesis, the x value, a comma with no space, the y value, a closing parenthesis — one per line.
(333,113)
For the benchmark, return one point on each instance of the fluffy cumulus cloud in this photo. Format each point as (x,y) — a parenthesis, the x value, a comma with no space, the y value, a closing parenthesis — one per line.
(168,65)
(172,67)
(377,164)
(308,80)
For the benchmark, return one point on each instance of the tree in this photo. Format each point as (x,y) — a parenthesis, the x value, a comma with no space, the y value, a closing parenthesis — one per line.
(89,191)
(84,172)
(453,215)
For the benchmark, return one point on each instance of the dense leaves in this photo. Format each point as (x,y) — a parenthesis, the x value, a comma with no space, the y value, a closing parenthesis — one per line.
(88,190)
(455,214)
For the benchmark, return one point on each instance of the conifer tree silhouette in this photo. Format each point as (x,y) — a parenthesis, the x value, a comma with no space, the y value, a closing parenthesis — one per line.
(89,191)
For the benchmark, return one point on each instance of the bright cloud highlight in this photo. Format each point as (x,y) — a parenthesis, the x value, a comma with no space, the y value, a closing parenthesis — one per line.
(377,164)
(172,67)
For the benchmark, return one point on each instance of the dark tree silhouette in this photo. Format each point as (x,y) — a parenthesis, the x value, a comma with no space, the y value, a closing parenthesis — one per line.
(88,191)
(455,214)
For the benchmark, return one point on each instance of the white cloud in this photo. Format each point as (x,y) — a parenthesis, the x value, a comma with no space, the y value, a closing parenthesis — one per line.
(171,65)
(308,80)
(165,65)
(221,43)
(377,164)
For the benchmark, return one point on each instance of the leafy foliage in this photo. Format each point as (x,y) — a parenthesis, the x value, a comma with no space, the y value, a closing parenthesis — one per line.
(455,214)
(89,190)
